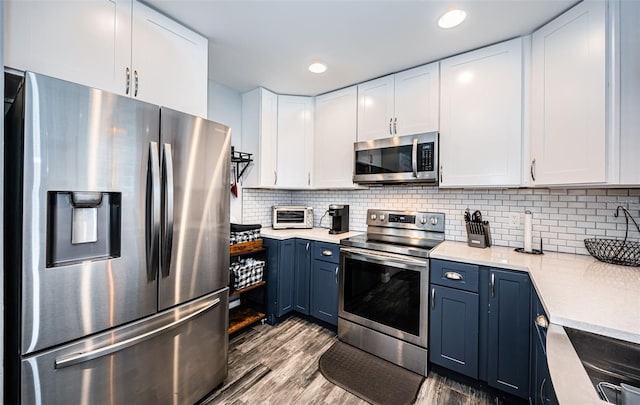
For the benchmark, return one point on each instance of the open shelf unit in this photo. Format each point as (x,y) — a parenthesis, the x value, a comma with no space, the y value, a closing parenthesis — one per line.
(253,298)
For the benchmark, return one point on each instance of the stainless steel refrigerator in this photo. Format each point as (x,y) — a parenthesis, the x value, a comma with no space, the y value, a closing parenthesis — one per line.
(117,216)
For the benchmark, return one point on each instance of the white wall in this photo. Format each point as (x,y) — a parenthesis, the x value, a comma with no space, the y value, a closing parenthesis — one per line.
(225,107)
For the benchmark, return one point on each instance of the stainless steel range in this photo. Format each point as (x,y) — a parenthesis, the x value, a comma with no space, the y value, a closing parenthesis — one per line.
(384,286)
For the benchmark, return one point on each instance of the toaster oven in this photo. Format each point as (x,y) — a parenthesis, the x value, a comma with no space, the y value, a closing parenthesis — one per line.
(292,217)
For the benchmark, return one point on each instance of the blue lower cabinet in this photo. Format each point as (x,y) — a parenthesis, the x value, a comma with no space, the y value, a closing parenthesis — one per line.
(508,331)
(302,274)
(324,292)
(453,327)
(280,277)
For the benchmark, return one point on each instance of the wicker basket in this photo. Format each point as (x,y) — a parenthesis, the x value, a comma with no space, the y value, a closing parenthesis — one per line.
(623,252)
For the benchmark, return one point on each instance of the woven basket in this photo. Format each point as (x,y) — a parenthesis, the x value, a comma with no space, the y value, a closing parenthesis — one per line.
(623,252)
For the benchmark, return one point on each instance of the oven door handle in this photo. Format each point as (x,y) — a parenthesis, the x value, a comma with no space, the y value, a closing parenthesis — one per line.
(388,259)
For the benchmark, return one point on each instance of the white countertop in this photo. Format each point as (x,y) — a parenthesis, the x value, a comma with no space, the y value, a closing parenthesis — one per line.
(576,291)
(317,234)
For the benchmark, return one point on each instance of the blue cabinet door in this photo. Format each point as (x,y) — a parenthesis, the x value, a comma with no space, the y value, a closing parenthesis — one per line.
(324,292)
(302,273)
(508,332)
(541,390)
(453,330)
(279,277)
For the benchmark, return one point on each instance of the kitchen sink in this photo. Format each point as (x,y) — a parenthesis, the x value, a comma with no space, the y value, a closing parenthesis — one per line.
(612,365)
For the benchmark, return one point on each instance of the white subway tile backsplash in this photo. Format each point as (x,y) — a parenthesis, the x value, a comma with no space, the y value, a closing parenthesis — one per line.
(562,218)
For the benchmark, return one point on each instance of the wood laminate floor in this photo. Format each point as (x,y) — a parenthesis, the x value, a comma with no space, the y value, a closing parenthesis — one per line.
(279,365)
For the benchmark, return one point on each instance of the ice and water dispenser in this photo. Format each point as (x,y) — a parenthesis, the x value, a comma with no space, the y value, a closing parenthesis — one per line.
(82,226)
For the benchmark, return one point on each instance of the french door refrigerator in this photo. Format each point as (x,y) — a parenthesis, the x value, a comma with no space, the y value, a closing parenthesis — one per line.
(117,249)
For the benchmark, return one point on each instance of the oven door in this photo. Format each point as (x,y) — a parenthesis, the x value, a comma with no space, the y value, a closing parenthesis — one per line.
(385,292)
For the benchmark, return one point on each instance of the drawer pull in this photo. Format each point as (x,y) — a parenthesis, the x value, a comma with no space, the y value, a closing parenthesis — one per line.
(327,252)
(452,275)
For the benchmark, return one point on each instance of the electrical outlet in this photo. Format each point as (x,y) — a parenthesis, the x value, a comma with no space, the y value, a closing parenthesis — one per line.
(514,219)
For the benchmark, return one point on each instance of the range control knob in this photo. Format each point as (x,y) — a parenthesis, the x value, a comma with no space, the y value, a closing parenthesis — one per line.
(423,220)
(381,217)
(434,221)
(373,217)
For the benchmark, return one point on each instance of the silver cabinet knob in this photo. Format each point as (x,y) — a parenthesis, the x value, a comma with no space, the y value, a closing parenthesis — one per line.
(542,321)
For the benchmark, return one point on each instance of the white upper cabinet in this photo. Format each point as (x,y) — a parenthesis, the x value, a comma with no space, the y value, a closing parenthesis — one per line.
(481,117)
(402,104)
(295,141)
(260,137)
(629,146)
(334,135)
(169,62)
(116,45)
(568,107)
(86,42)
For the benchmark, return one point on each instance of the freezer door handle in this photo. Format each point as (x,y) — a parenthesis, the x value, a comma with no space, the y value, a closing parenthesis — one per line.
(167,175)
(77,358)
(153,211)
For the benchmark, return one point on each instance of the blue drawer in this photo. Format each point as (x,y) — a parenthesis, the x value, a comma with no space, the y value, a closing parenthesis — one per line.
(462,276)
(328,252)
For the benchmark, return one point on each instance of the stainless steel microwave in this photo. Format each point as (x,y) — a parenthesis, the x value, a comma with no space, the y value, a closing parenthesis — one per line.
(400,159)
(292,217)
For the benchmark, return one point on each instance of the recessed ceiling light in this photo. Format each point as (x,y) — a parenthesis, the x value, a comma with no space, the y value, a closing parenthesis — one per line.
(452,18)
(317,67)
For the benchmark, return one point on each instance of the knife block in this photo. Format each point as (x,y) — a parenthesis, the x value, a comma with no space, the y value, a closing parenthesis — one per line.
(478,234)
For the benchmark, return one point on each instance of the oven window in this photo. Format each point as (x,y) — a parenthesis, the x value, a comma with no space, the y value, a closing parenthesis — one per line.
(384,294)
(290,217)
(395,159)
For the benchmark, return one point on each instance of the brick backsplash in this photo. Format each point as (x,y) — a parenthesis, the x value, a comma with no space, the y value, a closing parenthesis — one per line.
(563,218)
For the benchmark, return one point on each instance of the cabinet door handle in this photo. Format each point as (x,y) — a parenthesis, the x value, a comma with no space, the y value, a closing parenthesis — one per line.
(135,76)
(337,267)
(433,298)
(493,285)
(390,121)
(395,130)
(307,248)
(275,177)
(533,169)
(441,173)
(309,178)
(452,275)
(327,252)
(128,71)
(542,398)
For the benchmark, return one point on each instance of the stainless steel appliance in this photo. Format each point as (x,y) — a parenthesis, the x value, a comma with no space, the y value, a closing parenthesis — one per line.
(384,286)
(339,214)
(400,159)
(291,217)
(117,268)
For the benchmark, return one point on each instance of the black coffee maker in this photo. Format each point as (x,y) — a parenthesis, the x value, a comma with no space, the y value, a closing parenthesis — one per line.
(339,214)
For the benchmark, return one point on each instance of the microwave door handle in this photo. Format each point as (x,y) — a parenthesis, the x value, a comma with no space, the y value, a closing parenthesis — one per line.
(414,157)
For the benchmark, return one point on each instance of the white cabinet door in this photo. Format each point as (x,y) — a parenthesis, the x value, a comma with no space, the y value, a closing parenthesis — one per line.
(481,117)
(334,135)
(417,98)
(79,41)
(295,141)
(630,93)
(568,132)
(375,109)
(169,62)
(260,137)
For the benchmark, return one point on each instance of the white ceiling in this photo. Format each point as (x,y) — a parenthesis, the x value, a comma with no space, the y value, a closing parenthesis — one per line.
(271,43)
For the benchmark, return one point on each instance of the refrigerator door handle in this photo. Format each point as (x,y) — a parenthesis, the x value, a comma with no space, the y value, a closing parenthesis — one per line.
(77,358)
(153,212)
(167,175)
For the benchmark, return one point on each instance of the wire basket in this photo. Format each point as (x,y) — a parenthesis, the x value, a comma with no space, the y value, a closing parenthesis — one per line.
(623,252)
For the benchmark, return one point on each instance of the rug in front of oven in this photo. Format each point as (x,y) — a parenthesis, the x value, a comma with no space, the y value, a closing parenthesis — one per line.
(369,377)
